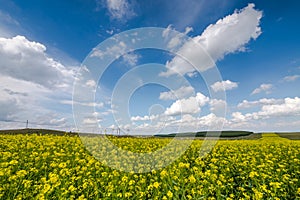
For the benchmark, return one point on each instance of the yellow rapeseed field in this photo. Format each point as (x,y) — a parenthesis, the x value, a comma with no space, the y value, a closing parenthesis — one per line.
(59,167)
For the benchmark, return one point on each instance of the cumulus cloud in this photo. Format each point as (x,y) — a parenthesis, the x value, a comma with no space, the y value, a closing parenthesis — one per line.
(291,78)
(238,117)
(290,106)
(263,88)
(176,40)
(224,85)
(260,102)
(9,107)
(217,105)
(191,105)
(27,60)
(231,33)
(180,93)
(185,123)
(228,35)
(142,118)
(287,107)
(34,84)
(23,100)
(21,95)
(190,123)
(120,9)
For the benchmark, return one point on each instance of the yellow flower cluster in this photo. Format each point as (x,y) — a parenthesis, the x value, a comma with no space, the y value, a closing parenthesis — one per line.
(59,167)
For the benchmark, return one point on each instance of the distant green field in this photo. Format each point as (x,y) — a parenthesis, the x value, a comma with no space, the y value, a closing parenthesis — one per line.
(222,134)
(291,136)
(36,131)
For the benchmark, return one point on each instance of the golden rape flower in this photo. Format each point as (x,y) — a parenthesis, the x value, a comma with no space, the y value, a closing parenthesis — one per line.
(46,188)
(124,179)
(119,195)
(13,162)
(163,173)
(131,182)
(62,165)
(81,197)
(71,188)
(275,184)
(21,173)
(258,195)
(156,184)
(26,183)
(192,179)
(142,194)
(169,194)
(253,174)
(127,194)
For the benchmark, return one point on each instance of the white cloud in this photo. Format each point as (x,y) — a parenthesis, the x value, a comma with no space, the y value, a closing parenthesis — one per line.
(188,30)
(19,96)
(61,121)
(191,105)
(91,83)
(23,100)
(88,104)
(9,107)
(131,59)
(191,123)
(180,93)
(90,121)
(217,105)
(238,117)
(263,88)
(231,33)
(224,85)
(288,107)
(116,51)
(120,9)
(228,35)
(167,31)
(144,118)
(185,123)
(33,84)
(272,115)
(291,78)
(27,60)
(260,102)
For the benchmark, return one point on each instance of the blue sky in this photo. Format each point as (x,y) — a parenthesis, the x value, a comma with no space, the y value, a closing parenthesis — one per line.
(254,46)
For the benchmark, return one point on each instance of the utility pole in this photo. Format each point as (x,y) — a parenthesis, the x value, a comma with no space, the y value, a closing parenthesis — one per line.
(27,124)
